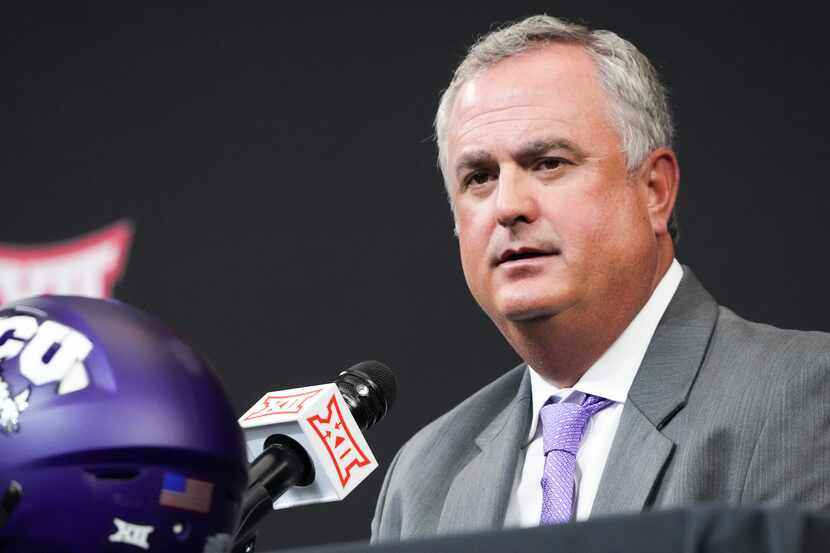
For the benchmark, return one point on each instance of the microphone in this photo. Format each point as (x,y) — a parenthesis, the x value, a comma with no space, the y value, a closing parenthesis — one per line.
(306,444)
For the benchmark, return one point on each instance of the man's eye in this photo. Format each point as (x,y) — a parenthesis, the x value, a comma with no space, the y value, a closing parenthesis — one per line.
(476,179)
(550,163)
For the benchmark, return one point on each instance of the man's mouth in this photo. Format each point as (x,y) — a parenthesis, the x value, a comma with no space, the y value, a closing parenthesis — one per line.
(520,254)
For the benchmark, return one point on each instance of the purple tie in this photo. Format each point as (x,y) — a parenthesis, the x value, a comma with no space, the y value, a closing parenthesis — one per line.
(562,427)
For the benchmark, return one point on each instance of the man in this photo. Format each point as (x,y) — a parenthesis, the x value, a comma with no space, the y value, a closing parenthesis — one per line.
(638,390)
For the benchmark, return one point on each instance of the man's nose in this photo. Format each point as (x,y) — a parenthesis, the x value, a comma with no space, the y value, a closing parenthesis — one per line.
(515,200)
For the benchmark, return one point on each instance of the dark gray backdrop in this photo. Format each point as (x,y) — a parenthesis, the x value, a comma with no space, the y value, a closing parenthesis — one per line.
(290,220)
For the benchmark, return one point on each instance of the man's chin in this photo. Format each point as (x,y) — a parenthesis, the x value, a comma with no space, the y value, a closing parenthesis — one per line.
(531,301)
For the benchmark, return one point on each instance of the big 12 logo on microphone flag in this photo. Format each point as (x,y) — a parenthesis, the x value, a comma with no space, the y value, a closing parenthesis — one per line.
(320,420)
(87,265)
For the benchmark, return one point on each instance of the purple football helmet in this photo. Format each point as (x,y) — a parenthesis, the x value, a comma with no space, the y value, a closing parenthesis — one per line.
(119,436)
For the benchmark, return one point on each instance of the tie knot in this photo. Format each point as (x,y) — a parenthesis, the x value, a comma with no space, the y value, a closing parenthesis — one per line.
(564,423)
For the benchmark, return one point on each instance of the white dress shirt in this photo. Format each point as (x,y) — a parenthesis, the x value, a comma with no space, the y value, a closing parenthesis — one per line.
(610,377)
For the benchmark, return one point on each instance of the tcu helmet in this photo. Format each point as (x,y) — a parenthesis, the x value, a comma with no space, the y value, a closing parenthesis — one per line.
(114,434)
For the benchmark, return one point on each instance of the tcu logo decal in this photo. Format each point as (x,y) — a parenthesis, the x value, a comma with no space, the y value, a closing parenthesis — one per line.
(54,352)
(345,454)
(89,265)
(48,353)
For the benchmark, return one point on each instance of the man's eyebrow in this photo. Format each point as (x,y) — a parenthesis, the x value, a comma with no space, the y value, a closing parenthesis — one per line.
(525,153)
(536,148)
(473,160)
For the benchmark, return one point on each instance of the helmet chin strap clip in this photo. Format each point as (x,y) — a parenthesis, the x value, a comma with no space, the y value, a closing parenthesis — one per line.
(10,501)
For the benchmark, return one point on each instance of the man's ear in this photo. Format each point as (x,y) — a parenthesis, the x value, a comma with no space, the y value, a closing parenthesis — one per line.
(660,174)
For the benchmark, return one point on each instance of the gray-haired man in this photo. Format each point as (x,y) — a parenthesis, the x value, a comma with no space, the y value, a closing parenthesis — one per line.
(638,391)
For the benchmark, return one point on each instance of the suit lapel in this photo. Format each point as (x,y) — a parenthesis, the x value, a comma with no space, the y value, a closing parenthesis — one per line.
(478,496)
(640,452)
(639,455)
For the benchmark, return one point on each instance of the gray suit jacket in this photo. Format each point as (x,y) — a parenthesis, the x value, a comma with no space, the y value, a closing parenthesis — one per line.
(722,409)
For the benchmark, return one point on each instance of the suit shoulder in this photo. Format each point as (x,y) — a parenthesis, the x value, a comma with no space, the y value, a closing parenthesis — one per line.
(765,345)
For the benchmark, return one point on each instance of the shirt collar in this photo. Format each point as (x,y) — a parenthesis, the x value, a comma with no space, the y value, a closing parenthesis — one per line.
(611,375)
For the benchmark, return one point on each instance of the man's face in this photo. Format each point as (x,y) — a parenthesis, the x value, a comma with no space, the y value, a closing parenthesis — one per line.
(548,221)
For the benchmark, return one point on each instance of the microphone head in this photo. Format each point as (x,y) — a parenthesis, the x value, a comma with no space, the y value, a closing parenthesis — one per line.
(370,390)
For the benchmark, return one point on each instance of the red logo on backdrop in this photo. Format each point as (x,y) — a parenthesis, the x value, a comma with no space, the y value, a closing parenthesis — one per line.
(89,265)
(335,435)
(282,404)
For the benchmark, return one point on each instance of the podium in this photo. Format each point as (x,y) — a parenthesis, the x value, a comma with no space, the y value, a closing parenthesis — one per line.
(704,529)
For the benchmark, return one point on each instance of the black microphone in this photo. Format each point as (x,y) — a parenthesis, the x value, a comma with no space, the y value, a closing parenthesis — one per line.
(370,390)
(308,445)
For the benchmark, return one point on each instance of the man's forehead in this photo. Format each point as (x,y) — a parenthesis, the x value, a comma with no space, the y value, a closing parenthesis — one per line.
(479,96)
(563,69)
(548,91)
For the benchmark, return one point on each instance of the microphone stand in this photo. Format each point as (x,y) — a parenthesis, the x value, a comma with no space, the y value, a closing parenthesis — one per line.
(282,464)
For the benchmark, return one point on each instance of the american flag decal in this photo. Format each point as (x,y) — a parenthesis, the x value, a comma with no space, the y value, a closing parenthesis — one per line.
(189,494)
